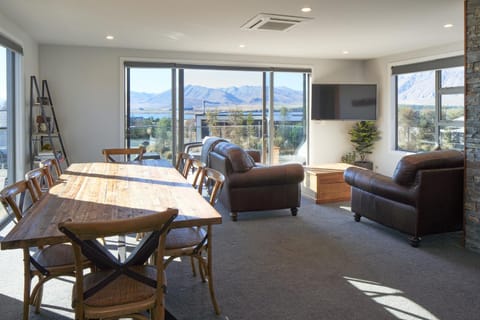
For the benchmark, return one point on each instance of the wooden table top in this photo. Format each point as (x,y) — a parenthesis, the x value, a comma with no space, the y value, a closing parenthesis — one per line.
(328,168)
(105,191)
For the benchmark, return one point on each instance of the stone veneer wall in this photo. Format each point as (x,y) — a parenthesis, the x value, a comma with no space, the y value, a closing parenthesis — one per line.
(472,124)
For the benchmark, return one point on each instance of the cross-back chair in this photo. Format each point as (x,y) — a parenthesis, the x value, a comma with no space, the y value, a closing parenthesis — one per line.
(197,167)
(120,289)
(44,263)
(184,163)
(214,180)
(123,154)
(53,169)
(40,180)
(195,242)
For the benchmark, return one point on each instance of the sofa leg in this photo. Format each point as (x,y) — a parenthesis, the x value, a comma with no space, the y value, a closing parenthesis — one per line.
(415,241)
(234,215)
(357,217)
(294,211)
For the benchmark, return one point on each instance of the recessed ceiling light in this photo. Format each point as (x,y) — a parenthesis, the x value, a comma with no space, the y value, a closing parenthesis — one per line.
(109,37)
(242,46)
(306,9)
(448,25)
(345,52)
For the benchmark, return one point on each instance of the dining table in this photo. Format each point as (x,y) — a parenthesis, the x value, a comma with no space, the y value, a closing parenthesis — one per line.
(95,191)
(104,191)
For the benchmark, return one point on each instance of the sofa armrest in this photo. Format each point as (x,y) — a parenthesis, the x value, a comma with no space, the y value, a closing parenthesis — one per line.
(380,185)
(255,154)
(264,176)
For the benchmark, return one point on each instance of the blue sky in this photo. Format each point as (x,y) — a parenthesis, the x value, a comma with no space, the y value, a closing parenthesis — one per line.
(158,80)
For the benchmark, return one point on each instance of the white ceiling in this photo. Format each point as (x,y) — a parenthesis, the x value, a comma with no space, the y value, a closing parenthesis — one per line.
(366,28)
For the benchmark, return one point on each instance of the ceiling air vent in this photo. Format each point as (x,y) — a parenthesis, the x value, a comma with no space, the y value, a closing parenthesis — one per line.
(272,22)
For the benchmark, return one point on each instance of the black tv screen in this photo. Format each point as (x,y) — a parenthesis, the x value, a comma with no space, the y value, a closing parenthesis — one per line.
(344,102)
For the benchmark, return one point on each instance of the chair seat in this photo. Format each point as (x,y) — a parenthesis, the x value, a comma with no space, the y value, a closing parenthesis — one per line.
(123,290)
(59,255)
(184,237)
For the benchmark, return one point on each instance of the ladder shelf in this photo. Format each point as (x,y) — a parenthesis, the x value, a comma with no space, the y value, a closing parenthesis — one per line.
(45,138)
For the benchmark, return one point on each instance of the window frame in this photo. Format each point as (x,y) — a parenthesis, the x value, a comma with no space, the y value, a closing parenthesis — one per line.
(437,66)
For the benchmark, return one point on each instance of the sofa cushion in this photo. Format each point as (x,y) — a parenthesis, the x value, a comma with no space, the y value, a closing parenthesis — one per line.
(266,176)
(407,167)
(208,144)
(240,160)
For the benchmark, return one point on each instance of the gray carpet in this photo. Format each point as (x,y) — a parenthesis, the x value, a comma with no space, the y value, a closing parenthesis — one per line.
(318,265)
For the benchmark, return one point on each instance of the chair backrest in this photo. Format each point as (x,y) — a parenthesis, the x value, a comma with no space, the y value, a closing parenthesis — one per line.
(84,236)
(17,196)
(40,179)
(184,163)
(54,171)
(189,147)
(208,145)
(123,154)
(198,167)
(214,180)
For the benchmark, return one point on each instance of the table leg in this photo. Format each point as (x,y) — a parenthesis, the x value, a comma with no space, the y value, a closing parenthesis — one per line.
(209,271)
(122,250)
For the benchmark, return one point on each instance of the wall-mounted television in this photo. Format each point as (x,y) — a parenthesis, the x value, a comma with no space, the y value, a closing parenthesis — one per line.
(344,102)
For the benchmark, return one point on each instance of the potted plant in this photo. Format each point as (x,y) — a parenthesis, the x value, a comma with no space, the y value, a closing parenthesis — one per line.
(349,157)
(363,136)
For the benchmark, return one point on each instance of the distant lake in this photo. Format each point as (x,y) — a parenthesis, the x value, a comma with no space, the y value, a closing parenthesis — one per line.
(296,116)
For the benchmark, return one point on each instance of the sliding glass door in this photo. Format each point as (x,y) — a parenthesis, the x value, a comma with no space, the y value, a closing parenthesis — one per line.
(224,103)
(150,109)
(170,105)
(289,117)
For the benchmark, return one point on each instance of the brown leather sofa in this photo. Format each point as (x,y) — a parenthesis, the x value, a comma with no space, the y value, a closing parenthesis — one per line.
(253,187)
(424,195)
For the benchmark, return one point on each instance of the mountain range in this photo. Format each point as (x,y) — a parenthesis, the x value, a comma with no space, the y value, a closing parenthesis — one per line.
(195,96)
(419,88)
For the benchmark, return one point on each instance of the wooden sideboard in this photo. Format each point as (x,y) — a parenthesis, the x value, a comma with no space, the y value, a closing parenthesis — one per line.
(324,183)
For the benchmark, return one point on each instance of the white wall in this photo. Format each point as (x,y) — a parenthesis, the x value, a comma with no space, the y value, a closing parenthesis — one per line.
(29,65)
(329,139)
(86,91)
(384,156)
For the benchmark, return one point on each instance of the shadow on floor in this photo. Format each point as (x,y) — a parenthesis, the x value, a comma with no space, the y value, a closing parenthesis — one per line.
(12,309)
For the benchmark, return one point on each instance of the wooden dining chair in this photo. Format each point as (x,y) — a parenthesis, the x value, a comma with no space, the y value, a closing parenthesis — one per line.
(117,288)
(195,242)
(184,163)
(44,263)
(197,167)
(123,154)
(40,180)
(53,169)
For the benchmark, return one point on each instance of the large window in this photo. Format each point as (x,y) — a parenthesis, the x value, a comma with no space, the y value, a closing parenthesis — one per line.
(170,105)
(9,65)
(3,117)
(430,105)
